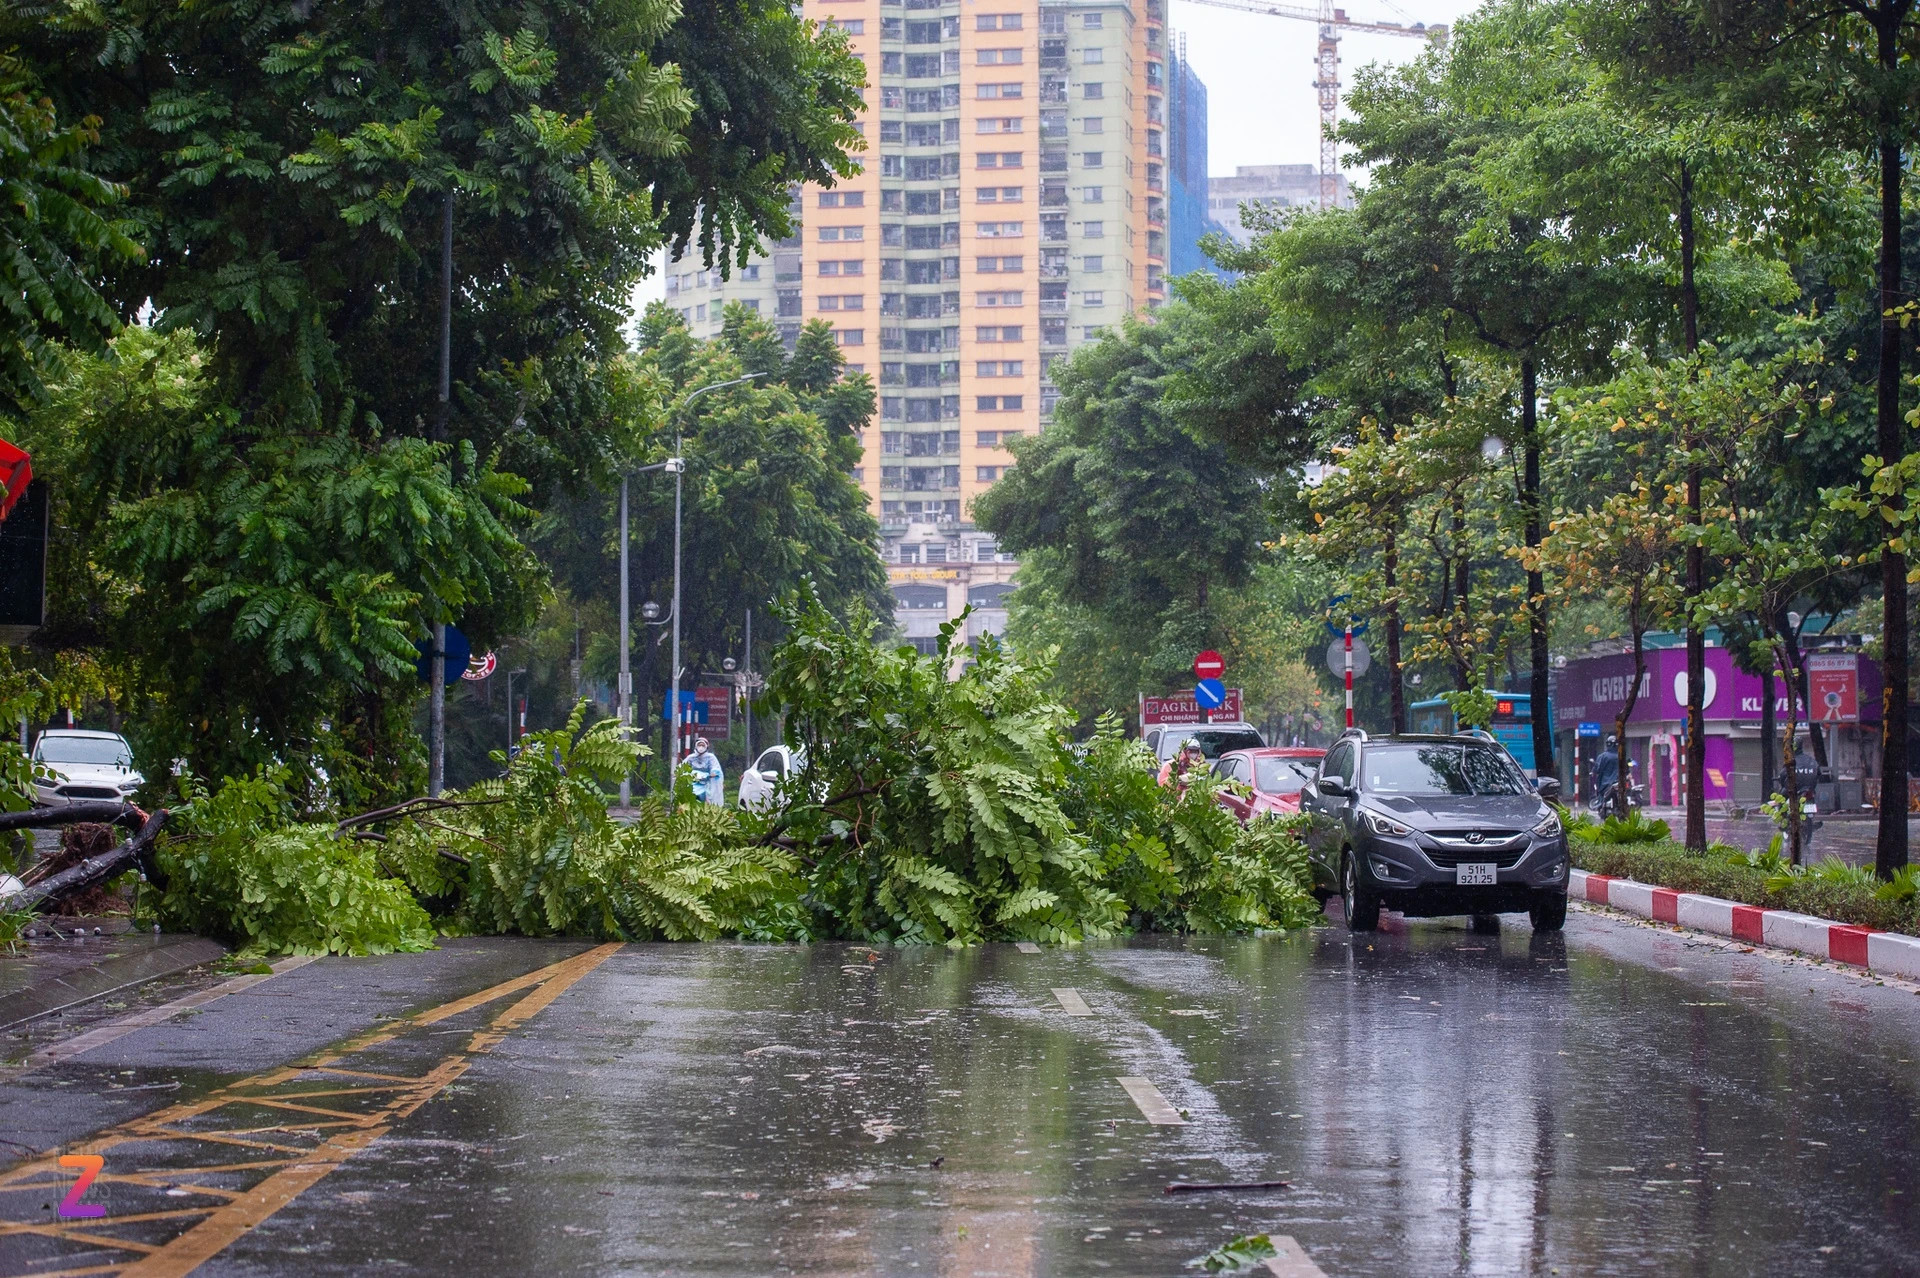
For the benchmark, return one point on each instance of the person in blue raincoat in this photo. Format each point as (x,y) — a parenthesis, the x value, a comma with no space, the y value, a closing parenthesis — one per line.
(709,780)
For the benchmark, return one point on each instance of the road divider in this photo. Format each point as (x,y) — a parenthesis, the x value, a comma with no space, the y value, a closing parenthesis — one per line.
(1890,953)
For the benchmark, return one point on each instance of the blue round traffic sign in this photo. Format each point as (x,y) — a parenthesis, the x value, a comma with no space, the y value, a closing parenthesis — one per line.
(1210,693)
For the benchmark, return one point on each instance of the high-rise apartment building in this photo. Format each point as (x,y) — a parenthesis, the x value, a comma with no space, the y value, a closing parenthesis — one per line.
(1274,185)
(1188,215)
(1012,203)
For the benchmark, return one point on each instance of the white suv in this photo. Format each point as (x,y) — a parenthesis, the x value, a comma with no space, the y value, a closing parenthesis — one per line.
(774,765)
(86,766)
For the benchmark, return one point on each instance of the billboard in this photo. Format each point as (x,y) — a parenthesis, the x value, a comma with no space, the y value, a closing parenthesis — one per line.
(1833,687)
(1182,708)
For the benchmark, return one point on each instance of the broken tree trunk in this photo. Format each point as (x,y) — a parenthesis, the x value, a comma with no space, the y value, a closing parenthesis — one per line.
(137,850)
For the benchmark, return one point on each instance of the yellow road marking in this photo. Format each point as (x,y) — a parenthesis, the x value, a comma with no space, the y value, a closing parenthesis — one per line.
(220,1225)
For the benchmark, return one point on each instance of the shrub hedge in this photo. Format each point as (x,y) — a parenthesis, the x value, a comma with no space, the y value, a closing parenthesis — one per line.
(1668,864)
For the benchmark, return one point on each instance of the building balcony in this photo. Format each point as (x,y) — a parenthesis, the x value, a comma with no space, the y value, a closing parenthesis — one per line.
(1053,306)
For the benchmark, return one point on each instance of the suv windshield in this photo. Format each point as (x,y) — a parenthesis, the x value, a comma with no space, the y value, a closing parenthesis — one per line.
(1284,776)
(1439,769)
(1213,742)
(109,751)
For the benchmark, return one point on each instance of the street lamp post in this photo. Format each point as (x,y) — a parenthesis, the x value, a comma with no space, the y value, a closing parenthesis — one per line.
(676,465)
(510,723)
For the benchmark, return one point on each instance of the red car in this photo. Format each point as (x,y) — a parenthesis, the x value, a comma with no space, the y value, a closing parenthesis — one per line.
(1274,774)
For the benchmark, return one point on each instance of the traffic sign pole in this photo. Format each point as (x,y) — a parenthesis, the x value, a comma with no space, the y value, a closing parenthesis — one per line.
(1349,661)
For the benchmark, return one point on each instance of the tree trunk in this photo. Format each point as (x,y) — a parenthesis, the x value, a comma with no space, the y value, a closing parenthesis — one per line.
(1397,695)
(1536,579)
(1789,768)
(1890,849)
(1767,721)
(1462,594)
(1624,791)
(1696,571)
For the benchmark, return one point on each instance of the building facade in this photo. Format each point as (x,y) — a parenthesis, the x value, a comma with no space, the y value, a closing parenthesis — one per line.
(1590,692)
(1278,186)
(1012,204)
(1189,216)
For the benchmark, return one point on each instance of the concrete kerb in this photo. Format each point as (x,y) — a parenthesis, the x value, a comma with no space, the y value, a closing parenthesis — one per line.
(1892,953)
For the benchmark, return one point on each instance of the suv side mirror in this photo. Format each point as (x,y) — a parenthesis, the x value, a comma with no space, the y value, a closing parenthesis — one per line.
(1547,787)
(1332,785)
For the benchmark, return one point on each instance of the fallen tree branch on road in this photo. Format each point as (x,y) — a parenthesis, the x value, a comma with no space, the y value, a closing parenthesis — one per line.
(103,811)
(410,808)
(137,850)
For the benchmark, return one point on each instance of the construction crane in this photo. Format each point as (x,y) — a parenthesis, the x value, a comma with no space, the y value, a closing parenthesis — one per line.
(1332,21)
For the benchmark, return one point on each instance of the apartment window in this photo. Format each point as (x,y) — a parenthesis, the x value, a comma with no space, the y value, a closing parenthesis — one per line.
(1093,92)
(988,438)
(1093,230)
(889,203)
(1053,23)
(889,64)
(997,333)
(1010,404)
(1093,195)
(843,302)
(986,474)
(999,124)
(1008,436)
(996,299)
(848,266)
(1093,297)
(1000,230)
(842,199)
(1092,21)
(908,554)
(852,26)
(997,195)
(889,130)
(998,265)
(1092,262)
(828,234)
(999,368)
(1093,124)
(752,304)
(1093,159)
(997,22)
(1094,332)
(850,336)
(997,57)
(997,160)
(997,91)
(1093,57)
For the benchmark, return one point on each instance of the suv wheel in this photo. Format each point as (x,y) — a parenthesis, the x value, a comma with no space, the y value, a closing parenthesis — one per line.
(1549,911)
(1361,906)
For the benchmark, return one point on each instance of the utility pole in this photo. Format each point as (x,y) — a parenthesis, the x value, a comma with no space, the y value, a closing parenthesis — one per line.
(746,682)
(437,657)
(626,674)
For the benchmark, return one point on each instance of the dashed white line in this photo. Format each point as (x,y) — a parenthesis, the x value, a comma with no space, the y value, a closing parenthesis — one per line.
(1070,1001)
(1153,1105)
(1026,947)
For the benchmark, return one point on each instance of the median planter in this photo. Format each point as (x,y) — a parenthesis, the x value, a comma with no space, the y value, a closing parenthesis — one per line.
(1669,865)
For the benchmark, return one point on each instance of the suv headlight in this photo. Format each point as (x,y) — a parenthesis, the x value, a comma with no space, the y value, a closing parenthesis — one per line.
(1380,823)
(1549,825)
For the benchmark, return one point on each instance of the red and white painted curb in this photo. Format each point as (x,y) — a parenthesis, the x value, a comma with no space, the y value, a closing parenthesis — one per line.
(1892,953)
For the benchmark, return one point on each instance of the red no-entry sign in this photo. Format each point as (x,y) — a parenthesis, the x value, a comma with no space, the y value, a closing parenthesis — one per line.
(1208,665)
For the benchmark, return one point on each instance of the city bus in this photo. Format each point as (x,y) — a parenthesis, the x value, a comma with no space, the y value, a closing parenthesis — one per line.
(1512,722)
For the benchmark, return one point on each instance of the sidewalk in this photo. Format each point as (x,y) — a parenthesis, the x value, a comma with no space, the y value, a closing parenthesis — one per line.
(1848,835)
(48,974)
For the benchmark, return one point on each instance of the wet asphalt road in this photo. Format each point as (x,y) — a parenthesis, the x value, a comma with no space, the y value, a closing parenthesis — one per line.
(1626,1100)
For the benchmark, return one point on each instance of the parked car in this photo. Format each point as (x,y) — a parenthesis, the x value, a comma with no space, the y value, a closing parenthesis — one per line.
(1431,825)
(1214,739)
(775,764)
(86,766)
(1273,775)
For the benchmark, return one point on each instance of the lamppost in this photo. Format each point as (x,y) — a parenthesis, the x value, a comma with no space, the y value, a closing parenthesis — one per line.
(675,465)
(510,723)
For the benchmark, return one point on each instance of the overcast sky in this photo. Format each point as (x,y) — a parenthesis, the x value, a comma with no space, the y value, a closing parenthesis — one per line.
(1261,104)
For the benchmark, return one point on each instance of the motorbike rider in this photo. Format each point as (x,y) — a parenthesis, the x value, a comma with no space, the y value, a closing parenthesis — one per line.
(1606,773)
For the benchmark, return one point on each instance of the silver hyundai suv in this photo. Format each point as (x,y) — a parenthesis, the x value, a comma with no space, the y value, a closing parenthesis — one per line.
(1433,825)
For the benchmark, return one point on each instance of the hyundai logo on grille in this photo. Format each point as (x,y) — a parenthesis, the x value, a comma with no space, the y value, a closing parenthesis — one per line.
(1475,836)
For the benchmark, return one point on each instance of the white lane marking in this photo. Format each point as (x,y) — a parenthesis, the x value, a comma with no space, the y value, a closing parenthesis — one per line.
(66,1050)
(1026,947)
(1070,1001)
(1152,1104)
(1292,1260)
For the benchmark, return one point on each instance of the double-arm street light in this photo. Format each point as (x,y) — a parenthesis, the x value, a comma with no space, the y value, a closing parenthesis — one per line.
(675,465)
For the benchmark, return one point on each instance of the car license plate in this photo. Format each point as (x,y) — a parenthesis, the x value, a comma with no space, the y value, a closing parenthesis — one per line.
(1475,874)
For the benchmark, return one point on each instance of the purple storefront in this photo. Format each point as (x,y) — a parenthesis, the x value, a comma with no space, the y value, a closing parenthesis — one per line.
(1590,690)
